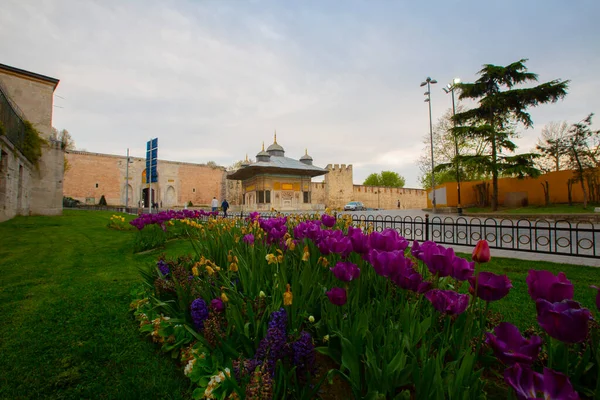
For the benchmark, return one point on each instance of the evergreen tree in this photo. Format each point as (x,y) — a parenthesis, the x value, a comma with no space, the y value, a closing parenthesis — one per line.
(498,113)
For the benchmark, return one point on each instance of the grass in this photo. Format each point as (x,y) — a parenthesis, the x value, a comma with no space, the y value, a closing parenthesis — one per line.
(64,297)
(551,209)
(66,330)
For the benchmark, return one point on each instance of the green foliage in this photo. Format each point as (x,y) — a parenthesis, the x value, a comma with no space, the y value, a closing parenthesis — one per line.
(102,201)
(583,150)
(190,204)
(385,179)
(32,144)
(497,114)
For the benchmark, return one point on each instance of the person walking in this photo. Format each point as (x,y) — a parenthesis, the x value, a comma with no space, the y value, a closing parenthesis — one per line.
(224,206)
(214,203)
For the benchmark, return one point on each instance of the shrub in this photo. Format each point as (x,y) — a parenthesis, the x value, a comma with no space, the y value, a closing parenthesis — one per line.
(190,204)
(32,144)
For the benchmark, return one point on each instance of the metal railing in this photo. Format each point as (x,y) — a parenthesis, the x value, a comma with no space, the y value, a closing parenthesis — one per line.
(580,239)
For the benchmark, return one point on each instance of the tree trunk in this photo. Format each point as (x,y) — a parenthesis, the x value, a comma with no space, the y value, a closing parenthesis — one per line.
(570,191)
(546,188)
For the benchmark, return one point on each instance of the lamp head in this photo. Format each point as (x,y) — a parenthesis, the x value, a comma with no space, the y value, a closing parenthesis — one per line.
(426,93)
(456,81)
(446,90)
(423,84)
(433,81)
(426,100)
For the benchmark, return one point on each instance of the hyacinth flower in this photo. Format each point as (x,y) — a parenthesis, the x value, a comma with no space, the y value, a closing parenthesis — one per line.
(448,301)
(481,253)
(510,347)
(489,286)
(545,285)
(304,354)
(163,267)
(345,271)
(337,296)
(273,346)
(199,313)
(328,220)
(387,240)
(566,321)
(531,385)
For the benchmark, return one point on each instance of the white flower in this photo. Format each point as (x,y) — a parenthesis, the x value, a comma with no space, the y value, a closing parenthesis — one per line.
(189,367)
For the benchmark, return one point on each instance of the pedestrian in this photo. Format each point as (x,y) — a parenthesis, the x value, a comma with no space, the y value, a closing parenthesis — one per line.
(225,206)
(398,203)
(214,203)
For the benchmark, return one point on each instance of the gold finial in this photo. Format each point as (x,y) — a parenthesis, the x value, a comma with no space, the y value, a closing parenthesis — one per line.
(275,137)
(305,151)
(263,148)
(246,156)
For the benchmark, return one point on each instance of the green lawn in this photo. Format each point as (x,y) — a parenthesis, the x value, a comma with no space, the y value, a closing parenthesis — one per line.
(551,209)
(66,330)
(64,296)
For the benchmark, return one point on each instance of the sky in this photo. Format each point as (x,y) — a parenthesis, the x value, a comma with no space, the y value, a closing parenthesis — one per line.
(214,79)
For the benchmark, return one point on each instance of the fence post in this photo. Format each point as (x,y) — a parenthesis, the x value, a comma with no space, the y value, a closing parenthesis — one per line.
(426,226)
(241,214)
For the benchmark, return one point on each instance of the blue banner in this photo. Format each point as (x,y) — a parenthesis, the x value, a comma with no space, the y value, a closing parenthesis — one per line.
(152,161)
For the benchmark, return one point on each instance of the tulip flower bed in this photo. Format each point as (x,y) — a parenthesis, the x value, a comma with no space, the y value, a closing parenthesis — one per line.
(152,230)
(283,307)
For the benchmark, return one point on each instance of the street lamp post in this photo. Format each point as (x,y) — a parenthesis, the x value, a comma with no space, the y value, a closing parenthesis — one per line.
(450,89)
(127,182)
(430,82)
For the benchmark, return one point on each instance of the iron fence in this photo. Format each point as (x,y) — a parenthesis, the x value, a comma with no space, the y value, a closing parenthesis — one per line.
(580,239)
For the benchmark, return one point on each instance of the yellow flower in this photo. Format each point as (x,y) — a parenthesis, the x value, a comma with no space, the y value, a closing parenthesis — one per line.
(210,270)
(326,338)
(229,257)
(271,259)
(306,254)
(280,259)
(288,296)
(290,244)
(224,297)
(262,294)
(195,270)
(324,261)
(279,251)
(233,267)
(311,319)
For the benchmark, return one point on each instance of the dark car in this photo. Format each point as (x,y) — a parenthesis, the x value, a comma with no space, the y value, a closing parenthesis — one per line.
(354,206)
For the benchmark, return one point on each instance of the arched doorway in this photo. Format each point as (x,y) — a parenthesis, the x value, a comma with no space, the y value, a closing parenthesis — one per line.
(148,197)
(171,198)
(127,195)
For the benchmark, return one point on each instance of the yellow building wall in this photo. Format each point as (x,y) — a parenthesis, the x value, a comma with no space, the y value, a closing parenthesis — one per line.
(532,187)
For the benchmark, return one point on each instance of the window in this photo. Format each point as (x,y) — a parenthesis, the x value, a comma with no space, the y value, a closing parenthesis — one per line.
(264,196)
(306,197)
(194,190)
(96,185)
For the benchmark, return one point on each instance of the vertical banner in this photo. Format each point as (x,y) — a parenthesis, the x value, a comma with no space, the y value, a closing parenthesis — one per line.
(151,169)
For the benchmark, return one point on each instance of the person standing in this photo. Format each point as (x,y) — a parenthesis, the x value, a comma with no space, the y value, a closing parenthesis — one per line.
(214,203)
(225,206)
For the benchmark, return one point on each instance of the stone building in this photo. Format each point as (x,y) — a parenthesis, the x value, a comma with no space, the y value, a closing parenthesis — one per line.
(276,181)
(27,189)
(93,175)
(272,181)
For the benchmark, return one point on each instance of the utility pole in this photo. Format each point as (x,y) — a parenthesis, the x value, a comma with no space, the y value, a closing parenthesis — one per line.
(127,182)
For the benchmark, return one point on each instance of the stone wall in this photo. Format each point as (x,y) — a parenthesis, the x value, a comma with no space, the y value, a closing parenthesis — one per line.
(34,97)
(30,189)
(338,185)
(92,175)
(389,198)
(16,175)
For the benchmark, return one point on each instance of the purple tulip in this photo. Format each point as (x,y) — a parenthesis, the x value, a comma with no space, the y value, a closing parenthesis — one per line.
(462,269)
(387,240)
(337,243)
(409,279)
(545,285)
(345,271)
(491,287)
(527,384)
(510,347)
(565,321)
(448,301)
(388,263)
(597,296)
(438,259)
(248,239)
(217,305)
(328,220)
(360,241)
(337,296)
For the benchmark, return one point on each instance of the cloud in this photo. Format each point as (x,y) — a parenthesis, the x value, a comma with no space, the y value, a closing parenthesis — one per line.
(213,80)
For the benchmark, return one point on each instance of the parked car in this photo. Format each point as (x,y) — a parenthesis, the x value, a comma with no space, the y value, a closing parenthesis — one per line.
(354,206)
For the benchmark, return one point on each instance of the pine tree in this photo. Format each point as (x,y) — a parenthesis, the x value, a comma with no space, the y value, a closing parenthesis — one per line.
(497,115)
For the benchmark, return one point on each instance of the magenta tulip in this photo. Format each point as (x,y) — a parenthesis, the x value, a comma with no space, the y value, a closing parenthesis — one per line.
(510,347)
(337,296)
(545,285)
(491,287)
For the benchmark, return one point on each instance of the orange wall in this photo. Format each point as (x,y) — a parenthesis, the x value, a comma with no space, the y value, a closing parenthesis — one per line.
(532,186)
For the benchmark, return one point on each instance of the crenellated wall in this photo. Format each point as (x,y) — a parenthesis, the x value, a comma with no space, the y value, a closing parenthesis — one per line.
(389,198)
(338,185)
